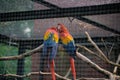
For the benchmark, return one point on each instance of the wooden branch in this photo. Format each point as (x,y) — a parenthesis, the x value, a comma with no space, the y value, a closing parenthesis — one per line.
(110,49)
(47,73)
(97,48)
(89,51)
(115,68)
(64,78)
(23,55)
(95,66)
(67,74)
(22,76)
(33,73)
(106,48)
(100,52)
(84,78)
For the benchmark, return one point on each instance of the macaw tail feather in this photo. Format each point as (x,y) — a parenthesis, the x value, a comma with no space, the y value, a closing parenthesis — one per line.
(52,69)
(73,68)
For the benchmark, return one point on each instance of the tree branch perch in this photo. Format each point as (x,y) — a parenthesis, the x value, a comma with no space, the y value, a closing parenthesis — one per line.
(115,68)
(23,55)
(95,66)
(100,52)
(33,73)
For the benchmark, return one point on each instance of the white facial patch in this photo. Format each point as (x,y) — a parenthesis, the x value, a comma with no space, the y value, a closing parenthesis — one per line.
(58,27)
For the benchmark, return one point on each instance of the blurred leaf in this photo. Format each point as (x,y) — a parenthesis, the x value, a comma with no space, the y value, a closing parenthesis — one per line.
(8,66)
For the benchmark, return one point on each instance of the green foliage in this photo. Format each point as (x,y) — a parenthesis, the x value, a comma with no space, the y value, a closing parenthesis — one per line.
(27,67)
(8,66)
(2,69)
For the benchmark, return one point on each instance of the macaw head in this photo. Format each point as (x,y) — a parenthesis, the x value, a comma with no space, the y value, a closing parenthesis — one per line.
(54,28)
(61,28)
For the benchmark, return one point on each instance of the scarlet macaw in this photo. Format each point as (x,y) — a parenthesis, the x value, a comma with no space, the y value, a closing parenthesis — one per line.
(50,47)
(68,43)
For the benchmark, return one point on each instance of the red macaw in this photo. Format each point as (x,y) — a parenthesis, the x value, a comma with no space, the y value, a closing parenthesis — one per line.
(68,43)
(51,38)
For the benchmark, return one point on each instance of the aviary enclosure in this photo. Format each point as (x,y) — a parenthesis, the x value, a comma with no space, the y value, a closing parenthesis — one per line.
(93,24)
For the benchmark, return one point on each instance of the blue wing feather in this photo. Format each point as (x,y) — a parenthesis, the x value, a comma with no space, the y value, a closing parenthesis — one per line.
(50,47)
(70,49)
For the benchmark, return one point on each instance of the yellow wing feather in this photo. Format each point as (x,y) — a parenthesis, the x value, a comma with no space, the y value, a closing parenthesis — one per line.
(66,39)
(55,36)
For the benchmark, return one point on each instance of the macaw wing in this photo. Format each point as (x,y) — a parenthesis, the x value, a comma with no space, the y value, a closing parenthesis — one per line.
(66,38)
(69,45)
(51,36)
